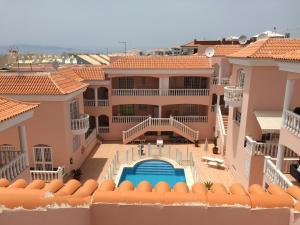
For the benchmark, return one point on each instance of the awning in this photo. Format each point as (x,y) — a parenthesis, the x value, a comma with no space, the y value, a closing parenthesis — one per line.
(269,121)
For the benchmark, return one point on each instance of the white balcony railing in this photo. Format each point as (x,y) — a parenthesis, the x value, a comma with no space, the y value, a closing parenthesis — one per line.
(94,103)
(103,130)
(128,119)
(16,166)
(220,81)
(292,122)
(80,125)
(191,119)
(47,176)
(269,149)
(91,137)
(160,92)
(274,175)
(233,96)
(6,156)
(221,124)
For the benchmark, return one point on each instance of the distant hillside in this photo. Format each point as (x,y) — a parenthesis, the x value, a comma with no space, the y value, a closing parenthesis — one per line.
(37,49)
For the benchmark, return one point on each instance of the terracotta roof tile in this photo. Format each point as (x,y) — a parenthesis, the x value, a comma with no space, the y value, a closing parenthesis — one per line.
(90,73)
(10,108)
(161,62)
(225,50)
(268,48)
(37,83)
(290,56)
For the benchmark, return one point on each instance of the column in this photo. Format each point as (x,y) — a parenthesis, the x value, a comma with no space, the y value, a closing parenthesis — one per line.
(220,75)
(159,116)
(163,85)
(23,142)
(280,157)
(97,124)
(96,96)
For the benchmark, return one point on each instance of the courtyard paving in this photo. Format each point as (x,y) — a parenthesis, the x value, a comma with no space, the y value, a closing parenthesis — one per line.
(97,164)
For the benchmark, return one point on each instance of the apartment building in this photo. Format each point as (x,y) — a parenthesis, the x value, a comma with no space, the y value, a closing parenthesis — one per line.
(153,96)
(257,104)
(56,136)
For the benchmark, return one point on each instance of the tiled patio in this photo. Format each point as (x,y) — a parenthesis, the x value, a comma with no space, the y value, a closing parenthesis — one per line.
(97,164)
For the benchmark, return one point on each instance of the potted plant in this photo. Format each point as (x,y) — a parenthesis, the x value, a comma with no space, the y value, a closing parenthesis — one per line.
(208,185)
(76,174)
(215,148)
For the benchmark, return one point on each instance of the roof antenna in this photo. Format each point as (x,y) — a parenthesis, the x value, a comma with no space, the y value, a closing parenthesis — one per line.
(243,39)
(209,52)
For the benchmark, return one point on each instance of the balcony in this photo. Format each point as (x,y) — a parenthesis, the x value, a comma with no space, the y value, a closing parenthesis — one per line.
(48,176)
(292,122)
(13,163)
(274,175)
(233,96)
(96,103)
(103,130)
(80,125)
(160,92)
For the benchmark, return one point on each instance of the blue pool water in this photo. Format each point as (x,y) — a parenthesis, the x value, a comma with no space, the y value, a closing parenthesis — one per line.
(153,171)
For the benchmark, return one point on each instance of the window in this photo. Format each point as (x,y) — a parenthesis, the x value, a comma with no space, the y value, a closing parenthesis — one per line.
(241,78)
(126,83)
(76,142)
(74,109)
(195,82)
(126,110)
(43,157)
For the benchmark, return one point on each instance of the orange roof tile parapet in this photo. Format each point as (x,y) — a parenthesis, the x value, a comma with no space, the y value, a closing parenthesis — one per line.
(268,48)
(10,108)
(161,62)
(38,83)
(38,194)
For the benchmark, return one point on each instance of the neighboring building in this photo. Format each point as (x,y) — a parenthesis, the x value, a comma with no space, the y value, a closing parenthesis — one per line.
(14,162)
(256,105)
(93,59)
(57,134)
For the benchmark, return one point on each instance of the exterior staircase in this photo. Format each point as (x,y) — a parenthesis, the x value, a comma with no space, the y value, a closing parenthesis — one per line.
(160,124)
(225,122)
(222,120)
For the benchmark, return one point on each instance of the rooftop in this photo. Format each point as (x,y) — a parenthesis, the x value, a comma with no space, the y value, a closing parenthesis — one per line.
(225,50)
(289,56)
(161,62)
(38,83)
(268,48)
(10,108)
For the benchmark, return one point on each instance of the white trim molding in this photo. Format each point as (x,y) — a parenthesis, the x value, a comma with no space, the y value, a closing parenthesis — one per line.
(16,120)
(289,67)
(253,62)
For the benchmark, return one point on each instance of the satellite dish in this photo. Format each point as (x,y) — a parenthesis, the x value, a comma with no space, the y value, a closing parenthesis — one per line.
(262,36)
(209,52)
(243,39)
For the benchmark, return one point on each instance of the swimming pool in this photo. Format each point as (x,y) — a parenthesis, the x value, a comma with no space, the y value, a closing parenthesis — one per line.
(153,171)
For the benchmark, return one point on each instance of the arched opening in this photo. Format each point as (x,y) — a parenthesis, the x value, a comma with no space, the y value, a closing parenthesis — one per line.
(102,93)
(89,94)
(43,157)
(92,122)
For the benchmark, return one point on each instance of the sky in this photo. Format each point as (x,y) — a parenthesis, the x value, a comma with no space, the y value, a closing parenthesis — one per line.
(144,24)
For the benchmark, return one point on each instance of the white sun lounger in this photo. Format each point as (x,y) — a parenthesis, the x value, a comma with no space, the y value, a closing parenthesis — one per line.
(207,158)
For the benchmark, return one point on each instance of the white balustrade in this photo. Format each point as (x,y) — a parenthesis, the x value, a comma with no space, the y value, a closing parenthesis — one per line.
(221,124)
(94,103)
(160,92)
(269,148)
(157,122)
(274,175)
(47,176)
(11,170)
(128,119)
(80,125)
(233,96)
(103,129)
(191,119)
(292,122)
(91,137)
(6,156)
